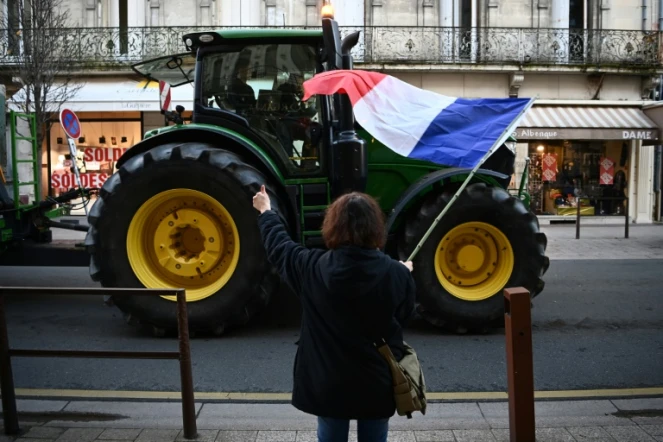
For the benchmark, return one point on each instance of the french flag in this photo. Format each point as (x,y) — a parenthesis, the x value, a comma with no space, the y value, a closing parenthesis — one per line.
(421,124)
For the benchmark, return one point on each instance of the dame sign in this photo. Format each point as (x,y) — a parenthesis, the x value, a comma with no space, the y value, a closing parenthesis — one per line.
(638,135)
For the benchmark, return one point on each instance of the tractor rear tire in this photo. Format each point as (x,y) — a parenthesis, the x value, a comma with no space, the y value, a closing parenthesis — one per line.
(155,220)
(486,242)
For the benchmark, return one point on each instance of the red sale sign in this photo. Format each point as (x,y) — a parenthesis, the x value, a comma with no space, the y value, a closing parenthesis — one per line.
(63,180)
(549,167)
(606,171)
(102,155)
(66,181)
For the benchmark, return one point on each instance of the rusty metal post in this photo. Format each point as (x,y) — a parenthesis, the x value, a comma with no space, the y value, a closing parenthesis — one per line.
(520,366)
(626,219)
(578,218)
(9,413)
(186,374)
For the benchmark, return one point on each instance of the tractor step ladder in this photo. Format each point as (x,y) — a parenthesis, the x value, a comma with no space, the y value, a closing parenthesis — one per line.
(17,159)
(314,200)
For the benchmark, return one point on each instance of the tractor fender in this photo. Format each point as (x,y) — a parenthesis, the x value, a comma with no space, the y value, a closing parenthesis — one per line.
(213,135)
(429,179)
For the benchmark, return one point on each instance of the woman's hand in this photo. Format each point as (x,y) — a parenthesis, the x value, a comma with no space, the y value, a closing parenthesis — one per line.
(261,200)
(407,264)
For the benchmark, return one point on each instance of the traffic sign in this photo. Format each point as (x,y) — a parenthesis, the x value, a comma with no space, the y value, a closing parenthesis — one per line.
(70,123)
(164,95)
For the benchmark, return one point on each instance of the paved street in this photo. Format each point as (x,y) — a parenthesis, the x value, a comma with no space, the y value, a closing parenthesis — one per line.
(597,325)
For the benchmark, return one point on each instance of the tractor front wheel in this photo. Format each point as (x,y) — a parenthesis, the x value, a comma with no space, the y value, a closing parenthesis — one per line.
(487,241)
(181,216)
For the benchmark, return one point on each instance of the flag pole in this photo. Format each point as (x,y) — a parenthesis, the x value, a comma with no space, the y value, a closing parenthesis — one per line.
(495,146)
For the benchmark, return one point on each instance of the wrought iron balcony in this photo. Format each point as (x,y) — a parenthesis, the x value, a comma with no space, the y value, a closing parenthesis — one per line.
(115,47)
(519,46)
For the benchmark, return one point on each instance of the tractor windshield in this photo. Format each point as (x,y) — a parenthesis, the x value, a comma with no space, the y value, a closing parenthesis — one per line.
(263,83)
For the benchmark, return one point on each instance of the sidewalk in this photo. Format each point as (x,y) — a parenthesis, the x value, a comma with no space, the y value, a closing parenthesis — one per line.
(618,420)
(604,242)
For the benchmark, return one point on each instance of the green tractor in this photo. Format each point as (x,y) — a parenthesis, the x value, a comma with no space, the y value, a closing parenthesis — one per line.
(178,213)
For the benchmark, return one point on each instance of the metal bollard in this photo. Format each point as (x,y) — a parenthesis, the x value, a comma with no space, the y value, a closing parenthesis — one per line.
(9,413)
(578,220)
(520,371)
(186,374)
(626,220)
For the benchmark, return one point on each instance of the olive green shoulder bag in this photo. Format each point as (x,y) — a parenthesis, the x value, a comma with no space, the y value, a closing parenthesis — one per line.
(408,380)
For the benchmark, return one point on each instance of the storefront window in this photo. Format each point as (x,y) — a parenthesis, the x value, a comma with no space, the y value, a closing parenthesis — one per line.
(567,173)
(102,144)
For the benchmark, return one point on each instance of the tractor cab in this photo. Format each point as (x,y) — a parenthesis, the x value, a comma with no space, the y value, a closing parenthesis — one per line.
(252,81)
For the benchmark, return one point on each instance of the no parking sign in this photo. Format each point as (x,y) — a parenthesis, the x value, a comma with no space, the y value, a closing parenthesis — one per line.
(72,127)
(70,123)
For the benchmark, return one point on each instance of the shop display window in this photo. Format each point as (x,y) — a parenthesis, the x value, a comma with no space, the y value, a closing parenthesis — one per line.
(102,143)
(565,174)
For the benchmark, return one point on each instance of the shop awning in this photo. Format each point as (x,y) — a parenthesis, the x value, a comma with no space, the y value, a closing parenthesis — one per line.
(548,122)
(117,95)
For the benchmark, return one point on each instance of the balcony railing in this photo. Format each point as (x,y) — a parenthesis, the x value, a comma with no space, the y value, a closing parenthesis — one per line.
(114,47)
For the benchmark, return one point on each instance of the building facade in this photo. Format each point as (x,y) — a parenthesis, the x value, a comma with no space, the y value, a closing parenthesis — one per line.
(594,66)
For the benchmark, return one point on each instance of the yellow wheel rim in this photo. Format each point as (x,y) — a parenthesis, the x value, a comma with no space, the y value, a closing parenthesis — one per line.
(474,261)
(183,238)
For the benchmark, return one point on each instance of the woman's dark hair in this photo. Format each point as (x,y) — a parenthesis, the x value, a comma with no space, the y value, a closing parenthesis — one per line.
(354,219)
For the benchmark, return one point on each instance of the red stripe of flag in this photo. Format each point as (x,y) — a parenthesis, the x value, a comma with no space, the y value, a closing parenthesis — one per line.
(355,83)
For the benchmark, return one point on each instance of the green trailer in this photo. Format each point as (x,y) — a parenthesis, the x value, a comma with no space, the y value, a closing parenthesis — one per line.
(25,218)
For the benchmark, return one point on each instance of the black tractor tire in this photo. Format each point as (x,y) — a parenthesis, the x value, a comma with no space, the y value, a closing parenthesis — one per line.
(221,175)
(477,203)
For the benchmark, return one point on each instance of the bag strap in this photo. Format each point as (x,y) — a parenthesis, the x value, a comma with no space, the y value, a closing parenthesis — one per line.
(397,374)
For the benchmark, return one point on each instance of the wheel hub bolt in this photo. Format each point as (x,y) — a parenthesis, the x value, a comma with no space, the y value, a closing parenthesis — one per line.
(171,224)
(177,266)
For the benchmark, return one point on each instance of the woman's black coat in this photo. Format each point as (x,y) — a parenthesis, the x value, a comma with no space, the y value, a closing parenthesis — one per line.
(350,298)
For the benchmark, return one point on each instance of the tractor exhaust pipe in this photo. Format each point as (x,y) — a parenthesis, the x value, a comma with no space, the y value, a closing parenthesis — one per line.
(349,42)
(347,122)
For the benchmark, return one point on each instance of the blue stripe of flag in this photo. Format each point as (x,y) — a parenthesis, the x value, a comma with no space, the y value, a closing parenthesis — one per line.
(462,134)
